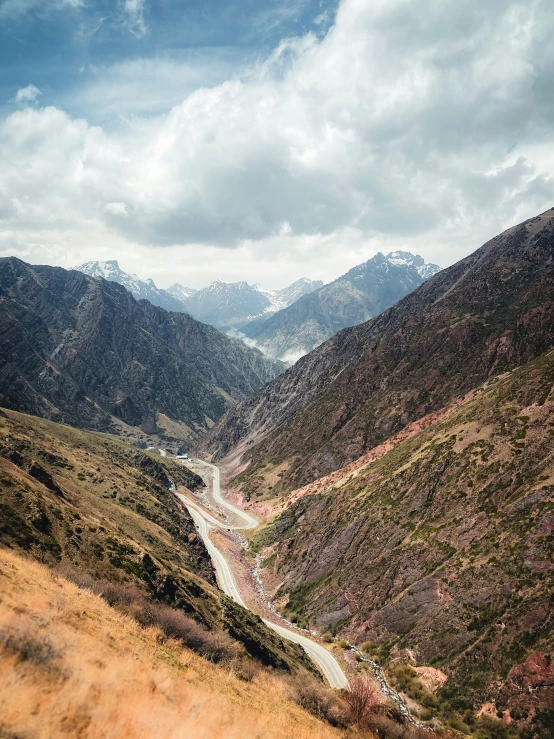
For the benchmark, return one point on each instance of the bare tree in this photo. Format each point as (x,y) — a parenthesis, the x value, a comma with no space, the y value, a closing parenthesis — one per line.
(361,697)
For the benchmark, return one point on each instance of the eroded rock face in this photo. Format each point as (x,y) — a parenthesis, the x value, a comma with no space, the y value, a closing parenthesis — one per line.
(530,685)
(83,351)
(485,315)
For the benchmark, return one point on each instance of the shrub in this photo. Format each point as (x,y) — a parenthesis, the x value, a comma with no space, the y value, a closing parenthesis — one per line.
(388,728)
(244,668)
(362,697)
(320,701)
(543,723)
(214,646)
(28,647)
(118,595)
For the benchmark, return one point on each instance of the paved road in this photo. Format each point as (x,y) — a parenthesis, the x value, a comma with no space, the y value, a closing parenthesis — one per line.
(250,521)
(321,656)
(205,521)
(222,570)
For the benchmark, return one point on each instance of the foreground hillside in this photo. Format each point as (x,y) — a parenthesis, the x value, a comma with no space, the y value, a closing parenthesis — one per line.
(485,315)
(103,511)
(83,351)
(438,551)
(71,666)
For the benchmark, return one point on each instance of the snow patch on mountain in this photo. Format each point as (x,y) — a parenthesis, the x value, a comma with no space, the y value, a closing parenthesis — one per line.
(180,291)
(140,289)
(280,299)
(406,259)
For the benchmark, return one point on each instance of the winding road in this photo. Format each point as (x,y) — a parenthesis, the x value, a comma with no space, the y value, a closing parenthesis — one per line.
(204,522)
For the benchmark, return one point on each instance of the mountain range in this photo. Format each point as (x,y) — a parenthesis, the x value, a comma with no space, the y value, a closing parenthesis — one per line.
(484,315)
(405,467)
(286,323)
(83,351)
(232,305)
(225,305)
(171,299)
(402,471)
(360,294)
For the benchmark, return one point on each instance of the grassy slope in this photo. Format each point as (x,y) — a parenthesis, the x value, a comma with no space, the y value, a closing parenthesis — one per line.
(88,671)
(104,508)
(443,546)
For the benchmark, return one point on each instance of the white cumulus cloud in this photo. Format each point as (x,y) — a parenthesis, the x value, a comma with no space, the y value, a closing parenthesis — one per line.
(426,126)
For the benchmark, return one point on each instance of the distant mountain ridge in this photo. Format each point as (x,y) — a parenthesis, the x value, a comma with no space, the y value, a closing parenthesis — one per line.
(84,352)
(362,293)
(140,289)
(232,305)
(225,305)
(424,269)
(180,292)
(281,299)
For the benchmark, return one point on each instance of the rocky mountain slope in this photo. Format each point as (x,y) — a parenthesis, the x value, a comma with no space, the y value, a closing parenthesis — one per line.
(437,551)
(229,305)
(171,299)
(362,293)
(105,512)
(83,351)
(485,315)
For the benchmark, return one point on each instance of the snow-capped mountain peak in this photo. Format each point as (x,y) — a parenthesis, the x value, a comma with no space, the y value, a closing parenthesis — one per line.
(140,289)
(180,291)
(280,299)
(406,258)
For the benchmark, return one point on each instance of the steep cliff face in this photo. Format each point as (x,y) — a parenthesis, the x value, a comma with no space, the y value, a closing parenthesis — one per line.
(437,546)
(485,315)
(362,293)
(83,351)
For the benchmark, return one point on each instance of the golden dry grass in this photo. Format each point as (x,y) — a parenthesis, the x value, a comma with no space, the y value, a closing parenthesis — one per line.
(107,677)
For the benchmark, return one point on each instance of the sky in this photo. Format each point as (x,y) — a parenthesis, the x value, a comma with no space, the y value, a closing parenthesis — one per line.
(268,140)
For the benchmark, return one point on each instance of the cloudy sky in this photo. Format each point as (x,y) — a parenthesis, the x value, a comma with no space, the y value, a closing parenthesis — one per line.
(270,139)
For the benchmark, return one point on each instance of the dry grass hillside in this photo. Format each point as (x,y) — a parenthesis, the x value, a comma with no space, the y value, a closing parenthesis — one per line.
(72,666)
(104,510)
